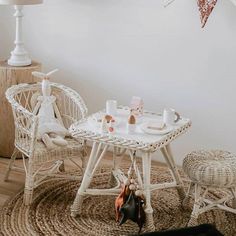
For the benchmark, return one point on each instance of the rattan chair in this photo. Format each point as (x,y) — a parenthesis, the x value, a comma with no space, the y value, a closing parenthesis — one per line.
(39,162)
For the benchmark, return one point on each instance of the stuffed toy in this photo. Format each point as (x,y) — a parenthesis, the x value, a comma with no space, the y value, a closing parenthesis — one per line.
(129,205)
(50,128)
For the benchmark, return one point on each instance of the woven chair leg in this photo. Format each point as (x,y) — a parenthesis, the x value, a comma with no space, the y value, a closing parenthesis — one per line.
(28,196)
(29,185)
(193,221)
(196,207)
(185,202)
(76,208)
(28,191)
(12,160)
(149,224)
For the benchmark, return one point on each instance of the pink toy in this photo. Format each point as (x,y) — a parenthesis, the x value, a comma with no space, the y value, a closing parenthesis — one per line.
(136,106)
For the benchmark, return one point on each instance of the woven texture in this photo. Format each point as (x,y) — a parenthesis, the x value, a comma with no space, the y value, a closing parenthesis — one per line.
(42,154)
(84,129)
(69,104)
(49,214)
(214,168)
(69,108)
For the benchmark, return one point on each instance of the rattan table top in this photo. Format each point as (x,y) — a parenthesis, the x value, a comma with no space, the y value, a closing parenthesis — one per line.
(140,140)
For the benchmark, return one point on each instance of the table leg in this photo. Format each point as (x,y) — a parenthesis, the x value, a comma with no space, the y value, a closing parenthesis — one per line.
(167,153)
(93,162)
(146,161)
(136,169)
(118,155)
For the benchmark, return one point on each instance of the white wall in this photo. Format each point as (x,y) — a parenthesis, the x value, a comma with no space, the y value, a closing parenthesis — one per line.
(6,33)
(119,48)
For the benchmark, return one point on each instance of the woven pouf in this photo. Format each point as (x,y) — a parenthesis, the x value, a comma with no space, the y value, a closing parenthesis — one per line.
(209,170)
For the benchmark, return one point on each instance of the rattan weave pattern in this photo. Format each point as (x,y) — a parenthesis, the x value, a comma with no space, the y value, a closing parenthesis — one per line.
(69,107)
(147,143)
(214,168)
(210,170)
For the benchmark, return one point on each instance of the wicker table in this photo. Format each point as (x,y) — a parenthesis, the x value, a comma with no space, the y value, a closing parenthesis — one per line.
(122,142)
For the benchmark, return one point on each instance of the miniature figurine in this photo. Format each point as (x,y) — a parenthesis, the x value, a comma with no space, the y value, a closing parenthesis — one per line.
(111,127)
(131,126)
(107,124)
(136,106)
(104,125)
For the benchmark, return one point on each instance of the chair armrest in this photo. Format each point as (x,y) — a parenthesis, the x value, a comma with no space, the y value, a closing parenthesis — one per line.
(26,126)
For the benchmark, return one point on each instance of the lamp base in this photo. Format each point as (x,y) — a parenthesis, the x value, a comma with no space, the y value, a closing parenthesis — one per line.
(19,59)
(19,56)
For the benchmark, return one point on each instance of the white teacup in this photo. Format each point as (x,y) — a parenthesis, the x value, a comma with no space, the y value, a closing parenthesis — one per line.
(170,116)
(111,107)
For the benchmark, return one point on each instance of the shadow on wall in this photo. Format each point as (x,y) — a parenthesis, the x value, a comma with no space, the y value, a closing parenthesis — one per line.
(7,23)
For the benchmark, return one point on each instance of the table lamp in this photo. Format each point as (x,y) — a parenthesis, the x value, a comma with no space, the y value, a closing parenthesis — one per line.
(19,56)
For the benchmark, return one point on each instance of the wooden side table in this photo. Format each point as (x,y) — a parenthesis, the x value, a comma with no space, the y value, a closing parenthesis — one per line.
(9,76)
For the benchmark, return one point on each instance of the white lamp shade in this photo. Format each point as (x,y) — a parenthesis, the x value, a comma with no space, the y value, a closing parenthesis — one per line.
(20,2)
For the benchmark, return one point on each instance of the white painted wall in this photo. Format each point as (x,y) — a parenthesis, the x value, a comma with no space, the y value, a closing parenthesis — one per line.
(6,20)
(119,48)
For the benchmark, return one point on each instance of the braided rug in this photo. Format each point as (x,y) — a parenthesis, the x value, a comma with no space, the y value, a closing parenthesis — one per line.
(49,213)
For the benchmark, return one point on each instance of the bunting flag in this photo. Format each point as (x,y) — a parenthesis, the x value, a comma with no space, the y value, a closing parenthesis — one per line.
(205,8)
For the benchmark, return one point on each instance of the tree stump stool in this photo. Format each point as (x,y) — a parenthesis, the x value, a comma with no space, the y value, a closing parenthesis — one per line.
(10,75)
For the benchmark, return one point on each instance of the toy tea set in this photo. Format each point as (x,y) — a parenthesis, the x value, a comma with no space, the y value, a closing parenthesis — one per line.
(109,121)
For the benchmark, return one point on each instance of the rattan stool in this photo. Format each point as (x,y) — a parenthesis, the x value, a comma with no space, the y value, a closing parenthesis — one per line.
(209,170)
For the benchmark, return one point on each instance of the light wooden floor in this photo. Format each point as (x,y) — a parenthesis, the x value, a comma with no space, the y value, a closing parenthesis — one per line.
(15,183)
(16,180)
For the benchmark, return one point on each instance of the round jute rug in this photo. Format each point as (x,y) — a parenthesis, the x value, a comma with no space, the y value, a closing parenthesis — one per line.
(49,213)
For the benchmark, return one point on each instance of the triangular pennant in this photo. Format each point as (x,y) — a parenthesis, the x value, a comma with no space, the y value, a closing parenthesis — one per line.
(205,8)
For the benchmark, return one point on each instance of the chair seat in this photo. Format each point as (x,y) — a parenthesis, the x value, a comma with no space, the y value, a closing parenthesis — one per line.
(42,154)
(214,168)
